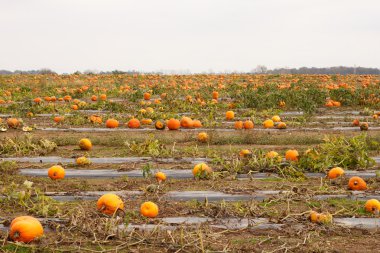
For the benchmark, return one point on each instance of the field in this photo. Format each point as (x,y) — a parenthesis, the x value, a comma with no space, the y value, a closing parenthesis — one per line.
(265,144)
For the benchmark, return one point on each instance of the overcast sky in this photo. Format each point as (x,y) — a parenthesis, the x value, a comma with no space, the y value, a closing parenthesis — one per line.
(195,35)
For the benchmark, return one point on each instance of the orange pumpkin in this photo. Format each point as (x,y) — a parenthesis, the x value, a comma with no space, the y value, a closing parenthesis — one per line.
(356,122)
(147,96)
(268,123)
(215,95)
(203,137)
(26,230)
(109,203)
(173,124)
(335,172)
(149,209)
(197,124)
(20,218)
(245,153)
(146,121)
(58,119)
(95,119)
(37,100)
(94,98)
(186,122)
(357,184)
(159,125)
(202,170)
(276,118)
(248,124)
(160,176)
(13,123)
(56,172)
(112,123)
(103,97)
(291,155)
(281,125)
(372,206)
(230,115)
(239,125)
(134,123)
(85,144)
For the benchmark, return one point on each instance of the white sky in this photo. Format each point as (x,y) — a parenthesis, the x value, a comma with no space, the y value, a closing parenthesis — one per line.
(195,35)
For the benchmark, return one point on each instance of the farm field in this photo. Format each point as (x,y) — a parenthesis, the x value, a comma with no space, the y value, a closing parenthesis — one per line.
(234,163)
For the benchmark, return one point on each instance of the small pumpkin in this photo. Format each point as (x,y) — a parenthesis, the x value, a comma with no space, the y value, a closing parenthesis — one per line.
(103,97)
(281,125)
(291,155)
(112,123)
(357,184)
(83,161)
(13,123)
(56,172)
(94,98)
(197,123)
(268,123)
(202,170)
(149,209)
(159,125)
(238,125)
(58,119)
(248,124)
(372,206)
(95,119)
(26,230)
(245,153)
(364,126)
(134,123)
(109,203)
(85,144)
(186,122)
(173,124)
(230,115)
(276,118)
(335,172)
(160,176)
(147,96)
(203,137)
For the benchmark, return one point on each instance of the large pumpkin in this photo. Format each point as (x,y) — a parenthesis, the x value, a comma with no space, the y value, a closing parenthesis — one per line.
(109,203)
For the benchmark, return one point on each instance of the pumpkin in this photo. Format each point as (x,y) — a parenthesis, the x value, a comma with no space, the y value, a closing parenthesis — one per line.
(375,116)
(134,123)
(356,122)
(336,103)
(109,203)
(159,125)
(75,107)
(372,206)
(268,123)
(85,144)
(95,119)
(37,100)
(147,95)
(357,184)
(364,126)
(230,115)
(197,124)
(282,104)
(203,137)
(202,170)
(82,161)
(56,172)
(186,122)
(173,124)
(335,172)
(215,95)
(26,230)
(276,118)
(94,98)
(103,97)
(67,98)
(281,125)
(248,124)
(245,153)
(13,123)
(322,218)
(149,209)
(146,121)
(160,176)
(273,155)
(53,99)
(239,125)
(291,155)
(112,123)
(58,119)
